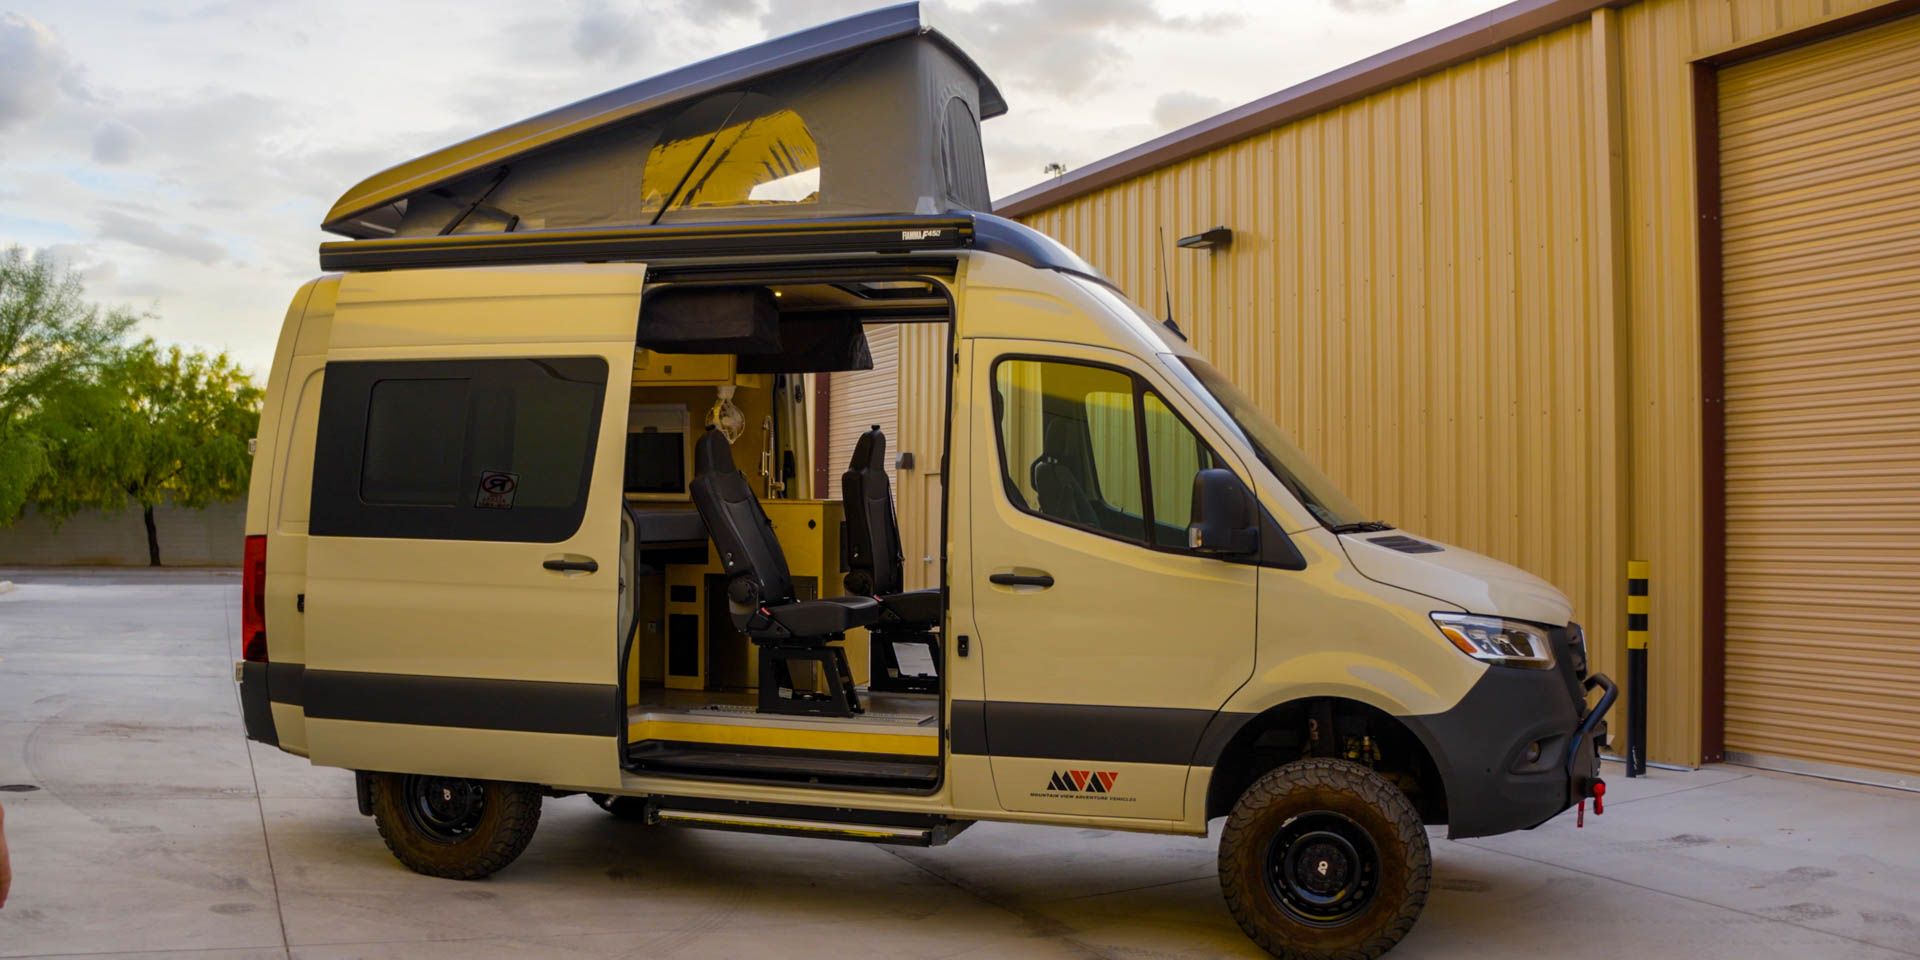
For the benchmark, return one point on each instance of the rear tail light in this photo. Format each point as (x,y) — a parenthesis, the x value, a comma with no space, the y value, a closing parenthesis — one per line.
(253,601)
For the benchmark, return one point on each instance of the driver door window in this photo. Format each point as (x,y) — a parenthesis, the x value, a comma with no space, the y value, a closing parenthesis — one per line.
(1071,436)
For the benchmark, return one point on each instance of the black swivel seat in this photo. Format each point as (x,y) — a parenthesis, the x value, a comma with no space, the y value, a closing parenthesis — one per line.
(874,568)
(760,593)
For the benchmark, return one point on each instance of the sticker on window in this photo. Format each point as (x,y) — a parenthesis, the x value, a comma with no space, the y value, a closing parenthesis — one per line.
(496,489)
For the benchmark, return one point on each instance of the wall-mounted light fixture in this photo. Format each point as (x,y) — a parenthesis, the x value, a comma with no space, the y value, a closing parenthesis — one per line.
(1215,239)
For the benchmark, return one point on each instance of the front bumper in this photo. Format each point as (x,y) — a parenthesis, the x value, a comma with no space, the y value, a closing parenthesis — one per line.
(1482,745)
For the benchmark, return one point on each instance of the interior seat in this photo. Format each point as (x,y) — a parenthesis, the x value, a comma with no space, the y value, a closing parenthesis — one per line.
(1056,477)
(876,568)
(760,594)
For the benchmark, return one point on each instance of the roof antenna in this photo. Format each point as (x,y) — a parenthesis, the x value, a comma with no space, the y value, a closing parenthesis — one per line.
(1167,290)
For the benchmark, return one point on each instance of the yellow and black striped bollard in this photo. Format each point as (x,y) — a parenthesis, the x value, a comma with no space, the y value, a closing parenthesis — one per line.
(1639,604)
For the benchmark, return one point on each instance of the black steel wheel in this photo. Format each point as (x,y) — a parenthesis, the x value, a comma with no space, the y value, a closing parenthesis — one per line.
(1322,868)
(1325,860)
(454,827)
(443,809)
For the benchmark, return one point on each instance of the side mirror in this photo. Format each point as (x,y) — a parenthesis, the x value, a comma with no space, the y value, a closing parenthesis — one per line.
(1223,519)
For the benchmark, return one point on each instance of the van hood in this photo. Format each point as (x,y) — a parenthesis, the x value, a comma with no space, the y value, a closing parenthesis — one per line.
(1476,583)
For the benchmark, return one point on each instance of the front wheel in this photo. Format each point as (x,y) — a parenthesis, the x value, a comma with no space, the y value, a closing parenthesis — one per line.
(1325,860)
(452,827)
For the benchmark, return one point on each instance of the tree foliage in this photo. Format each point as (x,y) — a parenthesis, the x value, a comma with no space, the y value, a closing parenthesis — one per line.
(51,340)
(156,424)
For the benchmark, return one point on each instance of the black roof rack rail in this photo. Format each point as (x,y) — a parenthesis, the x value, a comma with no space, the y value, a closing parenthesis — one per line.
(880,235)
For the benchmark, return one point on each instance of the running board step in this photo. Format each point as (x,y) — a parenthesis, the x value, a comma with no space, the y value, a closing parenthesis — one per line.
(806,767)
(823,823)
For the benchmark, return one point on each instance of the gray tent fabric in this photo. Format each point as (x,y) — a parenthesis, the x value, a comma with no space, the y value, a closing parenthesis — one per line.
(885,122)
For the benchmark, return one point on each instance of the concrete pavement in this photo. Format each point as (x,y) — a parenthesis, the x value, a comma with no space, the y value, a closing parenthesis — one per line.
(157,831)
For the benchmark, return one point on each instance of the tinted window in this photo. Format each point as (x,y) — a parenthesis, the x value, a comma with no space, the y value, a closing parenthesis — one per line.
(415,429)
(1069,447)
(457,449)
(1174,455)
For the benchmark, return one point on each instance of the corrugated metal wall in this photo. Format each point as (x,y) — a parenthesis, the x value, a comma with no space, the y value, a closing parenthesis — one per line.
(1429,288)
(863,399)
(924,371)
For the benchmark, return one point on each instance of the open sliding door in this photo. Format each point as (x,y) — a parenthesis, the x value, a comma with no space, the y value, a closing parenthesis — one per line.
(463,586)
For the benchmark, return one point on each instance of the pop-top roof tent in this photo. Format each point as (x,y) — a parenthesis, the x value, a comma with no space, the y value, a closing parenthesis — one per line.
(876,114)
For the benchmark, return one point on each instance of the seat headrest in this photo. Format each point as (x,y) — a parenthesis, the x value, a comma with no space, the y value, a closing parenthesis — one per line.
(713,454)
(871,450)
(1059,443)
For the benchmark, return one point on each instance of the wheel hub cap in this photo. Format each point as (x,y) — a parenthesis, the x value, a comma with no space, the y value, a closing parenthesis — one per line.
(1322,869)
(444,809)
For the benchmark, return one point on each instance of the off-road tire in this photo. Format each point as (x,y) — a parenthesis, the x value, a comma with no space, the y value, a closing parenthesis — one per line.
(625,808)
(508,815)
(1276,800)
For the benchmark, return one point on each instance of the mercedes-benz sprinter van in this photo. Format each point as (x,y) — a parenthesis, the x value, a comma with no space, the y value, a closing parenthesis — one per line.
(536,512)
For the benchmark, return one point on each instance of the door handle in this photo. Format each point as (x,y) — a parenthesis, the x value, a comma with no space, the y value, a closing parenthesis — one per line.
(1042,580)
(585,566)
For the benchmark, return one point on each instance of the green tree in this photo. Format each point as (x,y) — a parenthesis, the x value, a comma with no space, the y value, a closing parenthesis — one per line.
(51,340)
(156,424)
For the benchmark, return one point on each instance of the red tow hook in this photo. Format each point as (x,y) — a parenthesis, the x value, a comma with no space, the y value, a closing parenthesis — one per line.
(1599,792)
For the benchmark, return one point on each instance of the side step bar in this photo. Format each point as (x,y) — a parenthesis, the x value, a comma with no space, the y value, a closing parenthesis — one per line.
(825,823)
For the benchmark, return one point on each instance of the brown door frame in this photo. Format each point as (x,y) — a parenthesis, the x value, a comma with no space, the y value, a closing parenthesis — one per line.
(1713,413)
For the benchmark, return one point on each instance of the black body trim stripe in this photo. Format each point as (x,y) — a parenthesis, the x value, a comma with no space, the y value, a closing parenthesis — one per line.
(256,711)
(286,683)
(1060,731)
(527,706)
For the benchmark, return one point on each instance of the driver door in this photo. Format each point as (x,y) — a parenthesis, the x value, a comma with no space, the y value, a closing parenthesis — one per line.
(463,569)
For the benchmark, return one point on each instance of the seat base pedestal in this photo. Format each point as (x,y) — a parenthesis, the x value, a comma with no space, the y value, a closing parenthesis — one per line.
(840,699)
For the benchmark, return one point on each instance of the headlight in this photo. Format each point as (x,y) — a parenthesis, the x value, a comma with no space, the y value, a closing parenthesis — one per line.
(1497,639)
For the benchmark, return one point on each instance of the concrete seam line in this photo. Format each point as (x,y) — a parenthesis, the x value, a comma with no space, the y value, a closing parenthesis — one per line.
(259,804)
(1037,921)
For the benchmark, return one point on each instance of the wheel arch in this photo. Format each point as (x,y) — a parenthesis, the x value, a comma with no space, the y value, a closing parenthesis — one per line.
(1255,743)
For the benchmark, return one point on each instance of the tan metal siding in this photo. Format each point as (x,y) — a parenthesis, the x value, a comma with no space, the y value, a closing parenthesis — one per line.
(924,375)
(1414,292)
(1820,185)
(1473,298)
(859,400)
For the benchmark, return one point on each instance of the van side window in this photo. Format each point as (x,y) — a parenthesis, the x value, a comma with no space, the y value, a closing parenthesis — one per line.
(1174,455)
(457,449)
(1069,448)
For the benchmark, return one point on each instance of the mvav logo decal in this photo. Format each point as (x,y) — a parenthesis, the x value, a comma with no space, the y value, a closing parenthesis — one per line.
(1082,781)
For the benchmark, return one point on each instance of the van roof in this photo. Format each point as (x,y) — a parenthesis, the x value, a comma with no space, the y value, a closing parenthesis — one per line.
(375,206)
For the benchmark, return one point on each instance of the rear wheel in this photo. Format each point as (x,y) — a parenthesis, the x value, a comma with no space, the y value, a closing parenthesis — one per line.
(1325,860)
(453,827)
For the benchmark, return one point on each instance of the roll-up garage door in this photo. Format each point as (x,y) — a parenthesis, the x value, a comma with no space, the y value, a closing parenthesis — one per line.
(859,400)
(1820,180)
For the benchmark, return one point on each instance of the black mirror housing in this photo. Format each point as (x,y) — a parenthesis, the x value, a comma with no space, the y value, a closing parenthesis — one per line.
(1223,524)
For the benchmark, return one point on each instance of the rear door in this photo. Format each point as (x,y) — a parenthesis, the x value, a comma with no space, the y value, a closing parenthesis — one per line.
(463,565)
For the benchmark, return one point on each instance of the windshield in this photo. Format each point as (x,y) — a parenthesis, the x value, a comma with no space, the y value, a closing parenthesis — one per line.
(1276,450)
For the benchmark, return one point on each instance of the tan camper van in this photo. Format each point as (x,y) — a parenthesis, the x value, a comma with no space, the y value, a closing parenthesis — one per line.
(535,513)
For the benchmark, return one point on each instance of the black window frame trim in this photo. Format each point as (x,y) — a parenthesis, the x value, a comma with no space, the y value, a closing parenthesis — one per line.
(336,506)
(1140,386)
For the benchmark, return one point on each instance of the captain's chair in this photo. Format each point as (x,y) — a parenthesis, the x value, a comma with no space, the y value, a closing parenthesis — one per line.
(760,592)
(874,568)
(1056,475)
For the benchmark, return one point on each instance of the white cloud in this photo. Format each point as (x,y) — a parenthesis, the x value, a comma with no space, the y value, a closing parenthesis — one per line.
(1174,110)
(114,144)
(187,244)
(608,35)
(1367,6)
(35,72)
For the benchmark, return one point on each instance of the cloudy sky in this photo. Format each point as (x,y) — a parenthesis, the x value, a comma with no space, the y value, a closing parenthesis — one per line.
(181,154)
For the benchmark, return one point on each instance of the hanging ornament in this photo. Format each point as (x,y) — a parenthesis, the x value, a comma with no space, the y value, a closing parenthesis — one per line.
(725,417)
